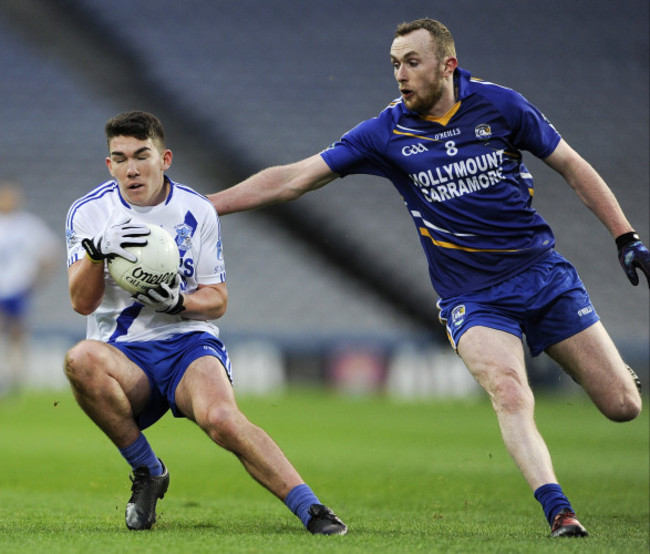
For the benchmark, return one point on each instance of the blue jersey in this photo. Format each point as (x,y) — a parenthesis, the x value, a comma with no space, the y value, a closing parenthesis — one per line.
(462,180)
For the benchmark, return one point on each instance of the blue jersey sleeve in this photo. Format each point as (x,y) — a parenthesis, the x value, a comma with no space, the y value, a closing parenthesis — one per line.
(362,149)
(536,134)
(531,131)
(344,158)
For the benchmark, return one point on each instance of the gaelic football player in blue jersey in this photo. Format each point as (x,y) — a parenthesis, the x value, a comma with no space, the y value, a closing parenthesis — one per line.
(452,146)
(146,354)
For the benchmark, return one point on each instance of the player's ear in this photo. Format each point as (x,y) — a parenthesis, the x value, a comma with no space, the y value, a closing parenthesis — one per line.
(449,66)
(167,159)
(109,165)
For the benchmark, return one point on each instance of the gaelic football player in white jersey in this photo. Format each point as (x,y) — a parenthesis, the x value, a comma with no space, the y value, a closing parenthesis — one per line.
(29,250)
(452,146)
(160,350)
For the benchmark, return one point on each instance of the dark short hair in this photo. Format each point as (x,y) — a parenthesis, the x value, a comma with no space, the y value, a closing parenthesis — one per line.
(443,41)
(137,124)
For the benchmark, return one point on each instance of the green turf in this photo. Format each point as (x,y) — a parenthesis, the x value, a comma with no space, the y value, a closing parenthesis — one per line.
(422,477)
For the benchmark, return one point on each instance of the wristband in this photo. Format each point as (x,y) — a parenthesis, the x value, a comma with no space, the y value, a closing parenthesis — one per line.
(626,238)
(92,252)
(178,307)
(93,260)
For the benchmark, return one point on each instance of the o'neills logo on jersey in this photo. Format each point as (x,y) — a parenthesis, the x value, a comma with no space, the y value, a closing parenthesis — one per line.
(459,178)
(483,131)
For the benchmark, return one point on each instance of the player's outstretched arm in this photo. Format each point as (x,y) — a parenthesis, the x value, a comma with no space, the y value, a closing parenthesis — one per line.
(273,185)
(597,196)
(590,188)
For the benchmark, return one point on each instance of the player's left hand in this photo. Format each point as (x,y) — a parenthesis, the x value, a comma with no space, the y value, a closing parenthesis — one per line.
(164,298)
(633,255)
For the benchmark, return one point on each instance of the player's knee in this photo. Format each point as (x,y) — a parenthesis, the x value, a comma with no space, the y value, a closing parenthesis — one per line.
(71,363)
(223,424)
(79,363)
(626,408)
(509,394)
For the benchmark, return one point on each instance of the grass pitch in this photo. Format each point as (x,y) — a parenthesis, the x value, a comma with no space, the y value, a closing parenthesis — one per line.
(405,477)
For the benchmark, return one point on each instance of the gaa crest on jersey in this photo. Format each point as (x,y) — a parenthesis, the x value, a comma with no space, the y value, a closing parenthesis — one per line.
(458,315)
(183,237)
(483,131)
(412,149)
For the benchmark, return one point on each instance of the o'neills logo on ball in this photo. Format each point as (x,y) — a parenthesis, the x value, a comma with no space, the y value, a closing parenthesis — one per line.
(139,277)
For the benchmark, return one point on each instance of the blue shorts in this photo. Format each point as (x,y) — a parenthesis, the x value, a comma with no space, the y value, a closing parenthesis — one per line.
(17,306)
(165,363)
(547,302)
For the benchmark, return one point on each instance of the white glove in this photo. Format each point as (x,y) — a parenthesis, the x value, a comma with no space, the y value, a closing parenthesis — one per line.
(112,240)
(164,298)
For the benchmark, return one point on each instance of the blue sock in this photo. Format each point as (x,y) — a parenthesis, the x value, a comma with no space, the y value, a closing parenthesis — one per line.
(552,499)
(140,454)
(299,499)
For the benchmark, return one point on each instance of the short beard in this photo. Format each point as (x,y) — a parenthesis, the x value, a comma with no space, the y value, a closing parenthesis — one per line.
(432,99)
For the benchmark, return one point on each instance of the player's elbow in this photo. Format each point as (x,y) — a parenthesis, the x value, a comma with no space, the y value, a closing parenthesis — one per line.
(205,314)
(84,304)
(309,174)
(220,309)
(83,308)
(287,185)
(217,309)
(290,193)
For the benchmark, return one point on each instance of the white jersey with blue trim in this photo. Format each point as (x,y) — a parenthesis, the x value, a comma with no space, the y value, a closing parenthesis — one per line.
(186,215)
(25,243)
(462,180)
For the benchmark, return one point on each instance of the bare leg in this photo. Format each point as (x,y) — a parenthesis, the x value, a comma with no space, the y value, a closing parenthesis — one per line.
(108,387)
(496,360)
(592,359)
(205,396)
(16,353)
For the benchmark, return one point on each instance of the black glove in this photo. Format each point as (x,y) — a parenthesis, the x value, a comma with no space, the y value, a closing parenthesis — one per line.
(112,240)
(164,298)
(633,254)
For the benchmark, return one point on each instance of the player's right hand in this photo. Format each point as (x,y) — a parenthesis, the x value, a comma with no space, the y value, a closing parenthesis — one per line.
(633,254)
(114,238)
